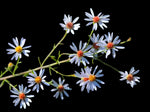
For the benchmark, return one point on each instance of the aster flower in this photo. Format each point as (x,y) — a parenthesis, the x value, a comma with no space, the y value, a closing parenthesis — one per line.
(21,96)
(60,88)
(97,44)
(18,48)
(100,19)
(69,24)
(80,54)
(89,79)
(129,77)
(112,45)
(37,80)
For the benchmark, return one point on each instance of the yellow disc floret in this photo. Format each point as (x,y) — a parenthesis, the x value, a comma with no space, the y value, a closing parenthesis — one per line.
(38,79)
(130,77)
(18,49)
(92,78)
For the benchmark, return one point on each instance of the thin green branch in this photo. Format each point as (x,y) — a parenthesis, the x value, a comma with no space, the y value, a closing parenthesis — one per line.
(63,75)
(35,69)
(54,49)
(106,64)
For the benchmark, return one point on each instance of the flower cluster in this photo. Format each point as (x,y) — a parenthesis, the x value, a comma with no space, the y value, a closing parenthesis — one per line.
(89,77)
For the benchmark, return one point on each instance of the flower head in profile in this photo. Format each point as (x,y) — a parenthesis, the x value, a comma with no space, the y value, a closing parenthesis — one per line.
(89,79)
(79,56)
(37,81)
(112,45)
(18,48)
(60,88)
(21,96)
(100,19)
(69,24)
(130,77)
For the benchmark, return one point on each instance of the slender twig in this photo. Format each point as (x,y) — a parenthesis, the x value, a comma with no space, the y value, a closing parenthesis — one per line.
(54,49)
(90,37)
(11,85)
(72,75)
(106,64)
(35,69)
(16,66)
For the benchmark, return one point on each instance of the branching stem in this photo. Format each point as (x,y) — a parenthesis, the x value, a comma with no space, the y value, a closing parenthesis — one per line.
(35,69)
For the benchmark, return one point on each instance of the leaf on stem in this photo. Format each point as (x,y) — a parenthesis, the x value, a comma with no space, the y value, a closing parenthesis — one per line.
(50,71)
(26,74)
(53,58)
(2,83)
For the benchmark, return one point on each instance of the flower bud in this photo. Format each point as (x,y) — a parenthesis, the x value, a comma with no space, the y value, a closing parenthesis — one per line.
(10,65)
(129,39)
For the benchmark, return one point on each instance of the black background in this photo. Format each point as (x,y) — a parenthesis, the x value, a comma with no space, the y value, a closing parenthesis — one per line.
(40,26)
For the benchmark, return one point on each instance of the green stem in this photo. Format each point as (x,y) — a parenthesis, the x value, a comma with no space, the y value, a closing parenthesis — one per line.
(90,37)
(54,49)
(4,73)
(35,69)
(106,64)
(16,66)
(62,74)
(11,84)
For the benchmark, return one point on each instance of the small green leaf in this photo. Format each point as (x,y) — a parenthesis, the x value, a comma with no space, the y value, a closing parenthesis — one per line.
(2,83)
(54,46)
(53,58)
(9,87)
(50,71)
(26,74)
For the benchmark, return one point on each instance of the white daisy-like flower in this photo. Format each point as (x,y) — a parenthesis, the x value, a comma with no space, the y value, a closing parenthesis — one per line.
(37,81)
(89,79)
(70,25)
(100,19)
(21,96)
(97,46)
(111,45)
(80,54)
(60,88)
(129,77)
(18,48)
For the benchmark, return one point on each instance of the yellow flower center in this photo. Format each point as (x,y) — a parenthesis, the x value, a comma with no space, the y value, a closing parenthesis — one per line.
(92,78)
(38,79)
(22,96)
(130,77)
(18,49)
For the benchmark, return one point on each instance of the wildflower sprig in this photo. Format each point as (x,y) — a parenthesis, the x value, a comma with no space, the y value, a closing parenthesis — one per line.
(82,53)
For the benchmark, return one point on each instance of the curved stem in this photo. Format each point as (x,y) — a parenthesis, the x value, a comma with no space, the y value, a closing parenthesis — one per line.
(90,37)
(11,85)
(63,75)
(35,69)
(54,49)
(106,64)
(16,66)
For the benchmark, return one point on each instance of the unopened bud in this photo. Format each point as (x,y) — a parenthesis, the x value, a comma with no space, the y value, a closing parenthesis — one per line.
(10,65)
(129,39)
